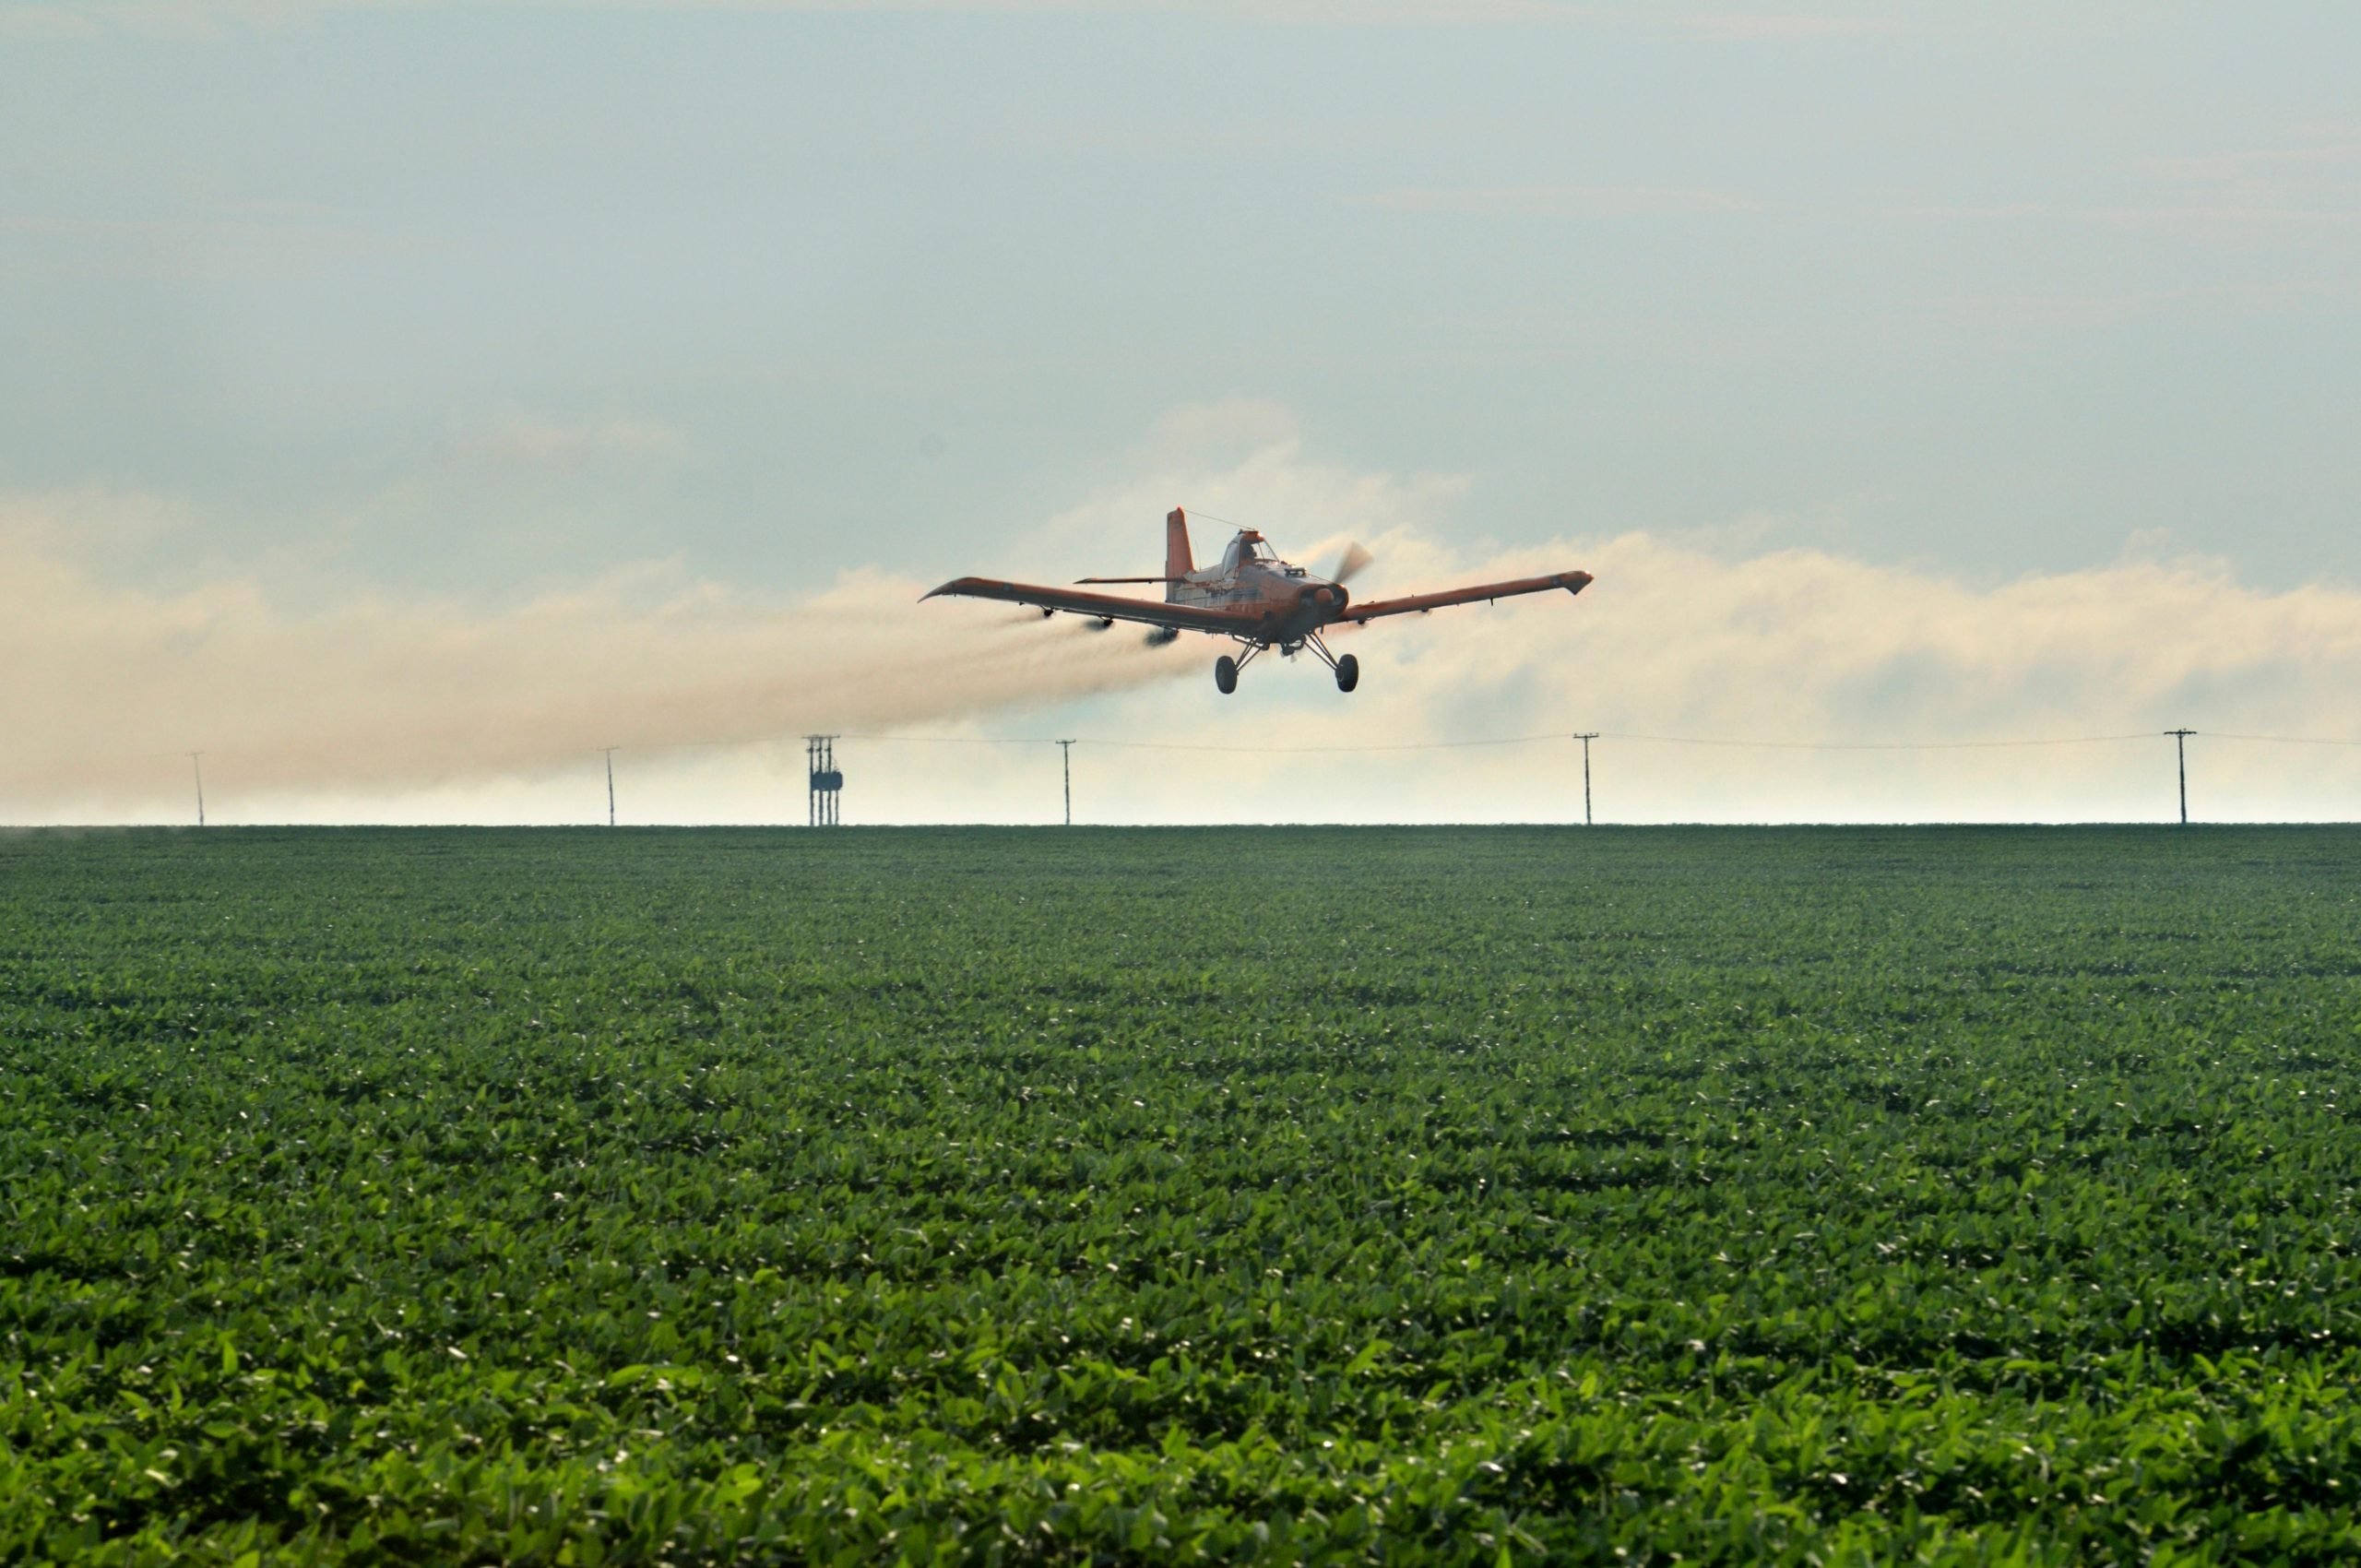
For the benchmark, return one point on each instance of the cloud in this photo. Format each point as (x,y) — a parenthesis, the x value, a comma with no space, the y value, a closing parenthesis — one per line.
(1560,201)
(1239,463)
(1808,645)
(1726,636)
(379,707)
(1195,432)
(2333,155)
(2311,188)
(90,522)
(2229,218)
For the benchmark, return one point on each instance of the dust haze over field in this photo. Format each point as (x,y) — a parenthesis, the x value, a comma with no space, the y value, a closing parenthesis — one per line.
(104,680)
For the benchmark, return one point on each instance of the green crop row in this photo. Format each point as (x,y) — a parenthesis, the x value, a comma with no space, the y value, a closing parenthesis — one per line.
(1318,1195)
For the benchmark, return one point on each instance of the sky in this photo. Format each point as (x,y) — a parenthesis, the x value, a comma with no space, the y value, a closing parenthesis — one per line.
(401,401)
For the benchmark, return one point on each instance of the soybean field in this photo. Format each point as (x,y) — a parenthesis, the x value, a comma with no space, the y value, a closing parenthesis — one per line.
(1238,1195)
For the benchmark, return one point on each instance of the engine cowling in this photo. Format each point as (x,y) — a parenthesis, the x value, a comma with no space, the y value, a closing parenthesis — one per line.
(1328,599)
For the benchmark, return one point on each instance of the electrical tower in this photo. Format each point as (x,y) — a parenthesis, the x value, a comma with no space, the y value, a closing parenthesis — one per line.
(610,751)
(1587,737)
(199,768)
(1065,751)
(2180,752)
(820,751)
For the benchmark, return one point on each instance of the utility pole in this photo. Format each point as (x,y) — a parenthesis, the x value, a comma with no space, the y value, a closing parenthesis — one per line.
(1587,737)
(199,768)
(1065,751)
(610,752)
(2180,749)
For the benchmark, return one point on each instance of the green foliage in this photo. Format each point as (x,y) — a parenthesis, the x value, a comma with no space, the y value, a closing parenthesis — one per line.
(1322,1195)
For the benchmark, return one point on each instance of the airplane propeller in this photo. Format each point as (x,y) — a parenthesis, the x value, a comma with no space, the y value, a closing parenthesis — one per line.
(1351,564)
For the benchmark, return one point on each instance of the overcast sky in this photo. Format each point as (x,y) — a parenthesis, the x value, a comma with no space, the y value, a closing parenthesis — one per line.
(398,401)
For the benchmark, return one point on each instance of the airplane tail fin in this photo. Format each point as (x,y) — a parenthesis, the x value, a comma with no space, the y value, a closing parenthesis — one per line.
(1178,562)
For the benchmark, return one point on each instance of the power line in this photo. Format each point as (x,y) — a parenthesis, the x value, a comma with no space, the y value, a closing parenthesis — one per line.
(825,781)
(1306,751)
(2276,740)
(1453,745)
(1717,740)
(923,741)
(1520,741)
(1879,745)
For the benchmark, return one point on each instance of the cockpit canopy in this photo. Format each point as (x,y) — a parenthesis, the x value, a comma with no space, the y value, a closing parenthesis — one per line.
(1247,546)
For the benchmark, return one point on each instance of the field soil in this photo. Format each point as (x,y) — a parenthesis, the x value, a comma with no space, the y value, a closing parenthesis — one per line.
(1231,1195)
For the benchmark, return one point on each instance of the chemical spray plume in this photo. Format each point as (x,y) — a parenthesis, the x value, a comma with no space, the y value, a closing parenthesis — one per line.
(102,681)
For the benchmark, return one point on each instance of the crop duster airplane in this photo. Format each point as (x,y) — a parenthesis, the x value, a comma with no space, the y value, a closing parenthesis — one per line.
(1253,597)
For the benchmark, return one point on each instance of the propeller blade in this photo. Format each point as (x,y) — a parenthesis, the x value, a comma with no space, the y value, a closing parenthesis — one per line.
(1351,564)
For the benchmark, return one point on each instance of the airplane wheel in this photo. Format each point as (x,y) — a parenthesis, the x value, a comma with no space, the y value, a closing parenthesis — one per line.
(1226,674)
(1348,674)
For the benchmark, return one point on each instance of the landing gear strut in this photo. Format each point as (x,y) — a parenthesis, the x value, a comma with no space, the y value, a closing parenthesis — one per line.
(1347,669)
(1226,668)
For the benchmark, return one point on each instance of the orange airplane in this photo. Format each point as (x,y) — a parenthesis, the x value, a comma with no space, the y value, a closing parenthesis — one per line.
(1253,597)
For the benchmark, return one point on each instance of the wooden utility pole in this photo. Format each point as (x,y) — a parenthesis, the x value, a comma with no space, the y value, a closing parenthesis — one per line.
(2180,750)
(1587,737)
(610,752)
(1065,751)
(199,768)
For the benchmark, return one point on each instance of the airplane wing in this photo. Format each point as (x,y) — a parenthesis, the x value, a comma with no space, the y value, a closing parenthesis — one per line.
(1110,606)
(1573,582)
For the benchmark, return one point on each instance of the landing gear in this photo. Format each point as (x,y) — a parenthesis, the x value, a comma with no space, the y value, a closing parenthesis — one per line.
(1226,668)
(1347,669)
